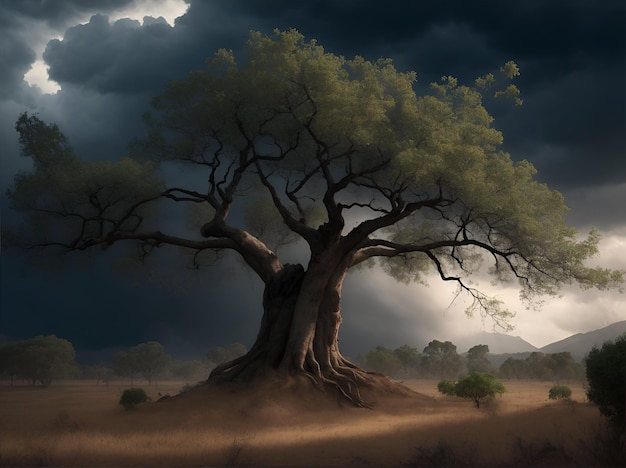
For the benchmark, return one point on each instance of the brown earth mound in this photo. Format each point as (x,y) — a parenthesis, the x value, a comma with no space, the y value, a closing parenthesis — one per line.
(280,401)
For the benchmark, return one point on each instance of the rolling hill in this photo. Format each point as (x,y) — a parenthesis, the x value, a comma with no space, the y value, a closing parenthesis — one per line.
(514,346)
(581,343)
(498,343)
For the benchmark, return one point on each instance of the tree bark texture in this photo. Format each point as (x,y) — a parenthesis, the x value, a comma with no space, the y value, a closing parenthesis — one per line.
(299,336)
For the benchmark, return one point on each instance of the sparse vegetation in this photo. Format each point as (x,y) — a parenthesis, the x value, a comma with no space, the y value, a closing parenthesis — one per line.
(132,397)
(77,425)
(559,392)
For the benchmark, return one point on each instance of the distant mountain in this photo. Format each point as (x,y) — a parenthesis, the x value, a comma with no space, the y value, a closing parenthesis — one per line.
(581,343)
(498,343)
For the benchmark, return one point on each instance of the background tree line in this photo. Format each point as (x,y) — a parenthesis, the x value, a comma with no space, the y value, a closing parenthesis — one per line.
(441,360)
(44,359)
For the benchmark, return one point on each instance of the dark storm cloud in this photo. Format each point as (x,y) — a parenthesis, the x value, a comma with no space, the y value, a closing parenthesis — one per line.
(187,310)
(122,57)
(17,58)
(17,55)
(57,13)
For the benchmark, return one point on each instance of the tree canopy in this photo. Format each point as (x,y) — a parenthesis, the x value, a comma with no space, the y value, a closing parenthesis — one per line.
(442,357)
(40,359)
(145,359)
(295,143)
(477,386)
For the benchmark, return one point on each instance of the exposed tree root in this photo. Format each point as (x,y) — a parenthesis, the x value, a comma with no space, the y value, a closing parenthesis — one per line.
(346,380)
(274,356)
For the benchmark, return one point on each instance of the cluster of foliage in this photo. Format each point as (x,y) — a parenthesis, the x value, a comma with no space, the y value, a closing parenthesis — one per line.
(477,386)
(540,366)
(442,358)
(44,358)
(559,392)
(438,359)
(131,397)
(606,375)
(447,387)
(38,360)
(150,360)
(145,359)
(477,359)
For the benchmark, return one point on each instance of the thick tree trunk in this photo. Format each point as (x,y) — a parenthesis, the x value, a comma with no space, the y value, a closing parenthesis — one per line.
(299,336)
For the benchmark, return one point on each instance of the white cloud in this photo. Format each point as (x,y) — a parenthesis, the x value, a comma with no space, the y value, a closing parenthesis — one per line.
(168,9)
(386,312)
(38,76)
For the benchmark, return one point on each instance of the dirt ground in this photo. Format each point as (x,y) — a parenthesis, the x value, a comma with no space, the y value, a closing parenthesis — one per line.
(81,424)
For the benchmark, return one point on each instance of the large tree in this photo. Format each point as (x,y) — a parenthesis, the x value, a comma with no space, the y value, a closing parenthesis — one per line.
(298,144)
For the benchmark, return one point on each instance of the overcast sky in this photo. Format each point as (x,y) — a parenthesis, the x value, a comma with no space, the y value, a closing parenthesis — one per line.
(105,59)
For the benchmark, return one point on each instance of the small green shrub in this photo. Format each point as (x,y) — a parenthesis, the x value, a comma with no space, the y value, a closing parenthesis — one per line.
(559,392)
(478,387)
(446,387)
(132,397)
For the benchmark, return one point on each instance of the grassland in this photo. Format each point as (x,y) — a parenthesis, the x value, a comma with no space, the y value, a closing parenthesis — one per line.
(81,424)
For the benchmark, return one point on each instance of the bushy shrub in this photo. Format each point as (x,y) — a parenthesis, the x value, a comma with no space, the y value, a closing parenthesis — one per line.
(132,397)
(606,368)
(478,387)
(446,387)
(559,392)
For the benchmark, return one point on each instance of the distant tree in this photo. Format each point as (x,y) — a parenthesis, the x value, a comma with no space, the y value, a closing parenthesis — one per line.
(384,361)
(296,143)
(124,364)
(559,392)
(41,359)
(409,357)
(478,387)
(150,358)
(564,367)
(98,372)
(442,359)
(539,366)
(606,374)
(477,359)
(514,369)
(10,363)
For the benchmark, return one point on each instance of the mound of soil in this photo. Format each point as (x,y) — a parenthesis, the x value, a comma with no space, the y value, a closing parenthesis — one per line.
(277,400)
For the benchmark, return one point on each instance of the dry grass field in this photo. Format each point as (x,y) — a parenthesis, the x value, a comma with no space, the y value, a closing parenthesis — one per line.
(81,424)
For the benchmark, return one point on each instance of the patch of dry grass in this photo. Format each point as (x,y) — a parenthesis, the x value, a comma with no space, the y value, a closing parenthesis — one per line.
(83,425)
